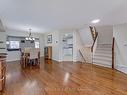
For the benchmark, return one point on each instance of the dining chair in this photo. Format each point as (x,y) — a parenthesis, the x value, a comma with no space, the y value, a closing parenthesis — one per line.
(34,58)
(38,50)
(23,58)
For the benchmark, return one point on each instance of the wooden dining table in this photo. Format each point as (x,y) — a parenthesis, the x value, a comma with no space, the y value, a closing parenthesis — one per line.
(24,59)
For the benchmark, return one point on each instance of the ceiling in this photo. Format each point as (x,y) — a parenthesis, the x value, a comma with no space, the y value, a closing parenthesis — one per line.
(46,15)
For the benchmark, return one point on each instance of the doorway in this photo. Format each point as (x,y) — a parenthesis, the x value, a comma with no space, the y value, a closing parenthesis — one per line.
(67,47)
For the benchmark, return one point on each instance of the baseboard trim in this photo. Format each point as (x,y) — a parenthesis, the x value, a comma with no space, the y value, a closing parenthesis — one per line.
(121,68)
(103,65)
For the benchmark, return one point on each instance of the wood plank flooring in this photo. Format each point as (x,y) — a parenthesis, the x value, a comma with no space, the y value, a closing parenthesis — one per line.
(53,78)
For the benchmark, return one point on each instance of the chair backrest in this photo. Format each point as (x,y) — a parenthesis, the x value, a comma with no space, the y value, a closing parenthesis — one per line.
(38,50)
(27,50)
(34,53)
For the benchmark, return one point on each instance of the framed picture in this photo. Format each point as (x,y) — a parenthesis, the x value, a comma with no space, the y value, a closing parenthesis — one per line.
(49,38)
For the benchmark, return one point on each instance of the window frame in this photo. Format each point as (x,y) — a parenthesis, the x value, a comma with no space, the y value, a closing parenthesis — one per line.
(13,49)
(17,38)
(12,43)
(38,44)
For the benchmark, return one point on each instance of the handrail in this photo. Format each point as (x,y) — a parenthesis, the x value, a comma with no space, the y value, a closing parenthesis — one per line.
(82,55)
(91,29)
(113,45)
(94,35)
(94,41)
(93,32)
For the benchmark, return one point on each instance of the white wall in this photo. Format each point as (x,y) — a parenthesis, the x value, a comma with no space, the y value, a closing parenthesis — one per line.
(86,36)
(63,51)
(2,38)
(120,34)
(84,43)
(55,44)
(77,44)
(105,34)
(85,48)
(57,47)
(2,29)
(15,55)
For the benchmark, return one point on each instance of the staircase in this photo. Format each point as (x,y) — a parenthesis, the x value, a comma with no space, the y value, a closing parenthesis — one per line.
(98,54)
(103,55)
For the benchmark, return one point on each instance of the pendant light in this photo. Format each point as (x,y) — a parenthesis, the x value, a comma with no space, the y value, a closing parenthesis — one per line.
(29,37)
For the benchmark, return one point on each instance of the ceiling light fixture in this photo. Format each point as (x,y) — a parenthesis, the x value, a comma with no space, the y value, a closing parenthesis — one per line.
(30,38)
(95,21)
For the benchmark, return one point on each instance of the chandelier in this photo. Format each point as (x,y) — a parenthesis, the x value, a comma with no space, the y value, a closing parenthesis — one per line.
(29,37)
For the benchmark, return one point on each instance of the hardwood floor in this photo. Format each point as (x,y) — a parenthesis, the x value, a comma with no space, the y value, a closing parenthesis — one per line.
(65,78)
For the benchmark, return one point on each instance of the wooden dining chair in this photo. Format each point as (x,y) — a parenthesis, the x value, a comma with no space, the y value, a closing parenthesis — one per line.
(38,50)
(23,58)
(34,57)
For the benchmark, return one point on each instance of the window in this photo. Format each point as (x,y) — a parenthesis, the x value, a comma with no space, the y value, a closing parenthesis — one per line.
(37,44)
(14,45)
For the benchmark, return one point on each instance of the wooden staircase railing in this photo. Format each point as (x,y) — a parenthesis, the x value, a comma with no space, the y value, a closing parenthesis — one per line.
(93,32)
(82,56)
(94,35)
(113,45)
(94,42)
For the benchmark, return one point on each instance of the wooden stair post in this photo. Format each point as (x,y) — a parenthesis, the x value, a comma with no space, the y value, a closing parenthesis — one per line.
(113,44)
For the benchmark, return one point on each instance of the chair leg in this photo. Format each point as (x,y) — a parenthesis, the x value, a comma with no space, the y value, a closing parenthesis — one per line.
(34,61)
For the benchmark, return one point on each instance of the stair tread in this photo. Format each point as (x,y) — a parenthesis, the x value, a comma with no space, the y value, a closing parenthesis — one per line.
(103,49)
(102,58)
(102,62)
(105,65)
(104,46)
(103,55)
(110,53)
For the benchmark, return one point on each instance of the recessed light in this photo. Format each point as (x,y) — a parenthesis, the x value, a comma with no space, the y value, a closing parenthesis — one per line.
(95,21)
